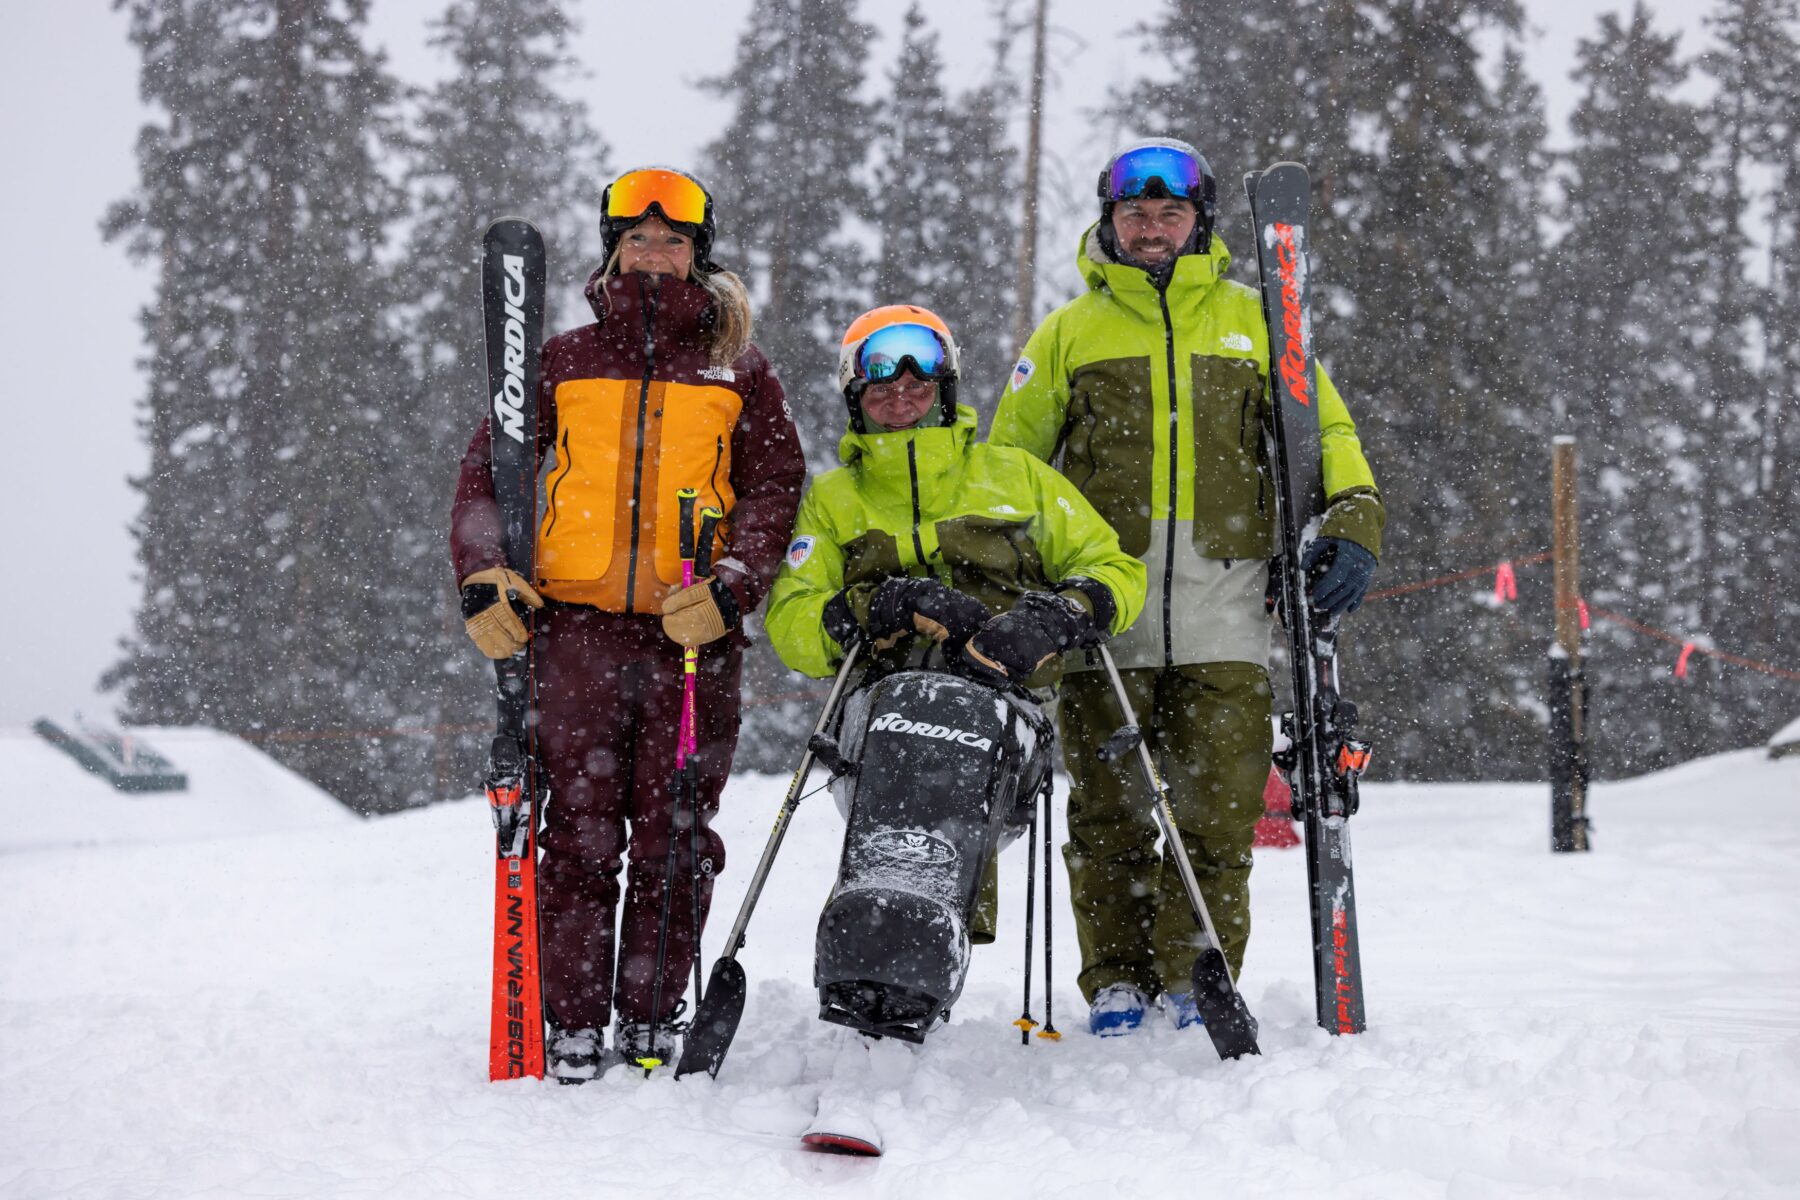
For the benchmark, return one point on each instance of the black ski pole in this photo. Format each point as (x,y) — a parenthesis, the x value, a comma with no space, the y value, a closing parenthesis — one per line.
(715,1023)
(709,523)
(1227,1019)
(648,1060)
(1049,1029)
(1025,1022)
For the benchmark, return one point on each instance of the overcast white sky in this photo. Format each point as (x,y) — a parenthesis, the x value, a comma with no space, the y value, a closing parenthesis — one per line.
(69,113)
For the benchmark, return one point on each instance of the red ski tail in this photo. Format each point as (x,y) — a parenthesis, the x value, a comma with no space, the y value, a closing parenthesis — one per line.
(516,1033)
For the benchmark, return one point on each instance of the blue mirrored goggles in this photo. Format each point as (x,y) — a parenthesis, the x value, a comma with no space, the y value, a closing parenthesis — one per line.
(887,351)
(1138,173)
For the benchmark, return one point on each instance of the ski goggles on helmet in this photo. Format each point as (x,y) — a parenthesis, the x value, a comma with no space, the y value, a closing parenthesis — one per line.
(890,349)
(1162,172)
(680,200)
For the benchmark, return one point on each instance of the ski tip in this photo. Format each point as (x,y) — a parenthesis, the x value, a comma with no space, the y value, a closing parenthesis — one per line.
(841,1143)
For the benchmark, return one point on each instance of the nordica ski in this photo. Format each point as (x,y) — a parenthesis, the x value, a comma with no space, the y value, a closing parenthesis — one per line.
(1324,760)
(512,302)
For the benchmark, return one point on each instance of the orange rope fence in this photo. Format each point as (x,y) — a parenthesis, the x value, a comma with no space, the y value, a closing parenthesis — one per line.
(1688,645)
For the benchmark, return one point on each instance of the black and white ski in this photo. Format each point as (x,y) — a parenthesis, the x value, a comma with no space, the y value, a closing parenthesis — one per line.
(1324,759)
(512,302)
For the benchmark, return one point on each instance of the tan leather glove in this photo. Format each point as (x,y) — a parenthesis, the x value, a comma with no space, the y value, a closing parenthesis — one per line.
(699,614)
(490,601)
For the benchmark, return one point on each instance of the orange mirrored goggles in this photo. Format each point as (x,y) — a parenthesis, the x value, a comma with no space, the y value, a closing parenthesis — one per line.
(680,198)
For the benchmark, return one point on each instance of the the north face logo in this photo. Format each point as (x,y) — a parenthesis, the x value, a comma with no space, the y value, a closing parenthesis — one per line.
(719,374)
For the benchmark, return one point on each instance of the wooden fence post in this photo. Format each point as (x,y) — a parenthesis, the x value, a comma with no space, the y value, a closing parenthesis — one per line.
(1568,683)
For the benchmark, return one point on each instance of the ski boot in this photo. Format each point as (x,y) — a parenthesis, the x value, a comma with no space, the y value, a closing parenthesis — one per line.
(1117,1010)
(576,1055)
(648,1045)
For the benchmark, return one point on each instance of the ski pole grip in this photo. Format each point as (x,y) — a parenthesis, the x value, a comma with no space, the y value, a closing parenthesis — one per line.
(685,500)
(709,524)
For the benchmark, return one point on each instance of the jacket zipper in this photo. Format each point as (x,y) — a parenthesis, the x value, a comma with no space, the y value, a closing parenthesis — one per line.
(561,475)
(637,466)
(1255,457)
(718,461)
(912,467)
(1174,457)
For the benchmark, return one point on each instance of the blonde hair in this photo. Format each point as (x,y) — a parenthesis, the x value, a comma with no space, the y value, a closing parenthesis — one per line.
(731,322)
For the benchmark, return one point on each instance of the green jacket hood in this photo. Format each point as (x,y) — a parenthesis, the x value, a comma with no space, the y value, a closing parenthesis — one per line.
(1193,272)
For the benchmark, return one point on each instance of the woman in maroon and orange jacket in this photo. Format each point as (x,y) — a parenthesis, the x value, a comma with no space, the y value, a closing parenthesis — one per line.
(664,391)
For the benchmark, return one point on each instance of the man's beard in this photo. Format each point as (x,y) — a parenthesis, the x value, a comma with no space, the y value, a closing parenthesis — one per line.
(1142,252)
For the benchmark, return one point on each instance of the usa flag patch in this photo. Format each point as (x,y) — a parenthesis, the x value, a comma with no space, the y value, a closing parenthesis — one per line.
(1021,373)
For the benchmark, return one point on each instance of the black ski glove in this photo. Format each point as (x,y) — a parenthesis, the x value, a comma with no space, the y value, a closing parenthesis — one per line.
(903,605)
(1040,626)
(1340,572)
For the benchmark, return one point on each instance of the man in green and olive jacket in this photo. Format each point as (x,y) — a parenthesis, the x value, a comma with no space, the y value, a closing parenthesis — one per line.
(1151,389)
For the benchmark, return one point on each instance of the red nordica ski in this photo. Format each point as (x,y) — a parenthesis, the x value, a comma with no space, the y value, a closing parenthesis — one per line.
(1324,760)
(512,301)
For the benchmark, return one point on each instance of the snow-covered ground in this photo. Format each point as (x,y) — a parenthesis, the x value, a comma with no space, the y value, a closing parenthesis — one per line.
(303,1013)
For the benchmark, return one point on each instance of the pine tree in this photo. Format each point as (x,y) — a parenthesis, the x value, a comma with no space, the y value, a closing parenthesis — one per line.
(1629,293)
(1754,65)
(945,206)
(494,139)
(267,530)
(789,177)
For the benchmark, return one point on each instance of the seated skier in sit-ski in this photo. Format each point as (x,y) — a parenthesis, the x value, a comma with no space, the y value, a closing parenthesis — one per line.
(966,571)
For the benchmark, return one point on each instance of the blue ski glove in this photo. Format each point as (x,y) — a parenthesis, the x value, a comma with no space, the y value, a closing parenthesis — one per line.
(1340,571)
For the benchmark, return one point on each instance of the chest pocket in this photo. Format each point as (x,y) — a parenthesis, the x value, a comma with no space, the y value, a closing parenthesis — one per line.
(1109,446)
(693,451)
(1233,507)
(581,496)
(991,559)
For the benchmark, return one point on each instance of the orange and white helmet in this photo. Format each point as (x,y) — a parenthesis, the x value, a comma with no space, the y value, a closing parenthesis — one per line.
(888,340)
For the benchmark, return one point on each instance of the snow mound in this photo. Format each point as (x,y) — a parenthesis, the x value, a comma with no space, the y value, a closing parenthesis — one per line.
(1786,739)
(233,790)
(306,1016)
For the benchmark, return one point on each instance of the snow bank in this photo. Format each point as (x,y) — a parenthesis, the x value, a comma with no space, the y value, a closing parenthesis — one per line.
(306,1016)
(233,790)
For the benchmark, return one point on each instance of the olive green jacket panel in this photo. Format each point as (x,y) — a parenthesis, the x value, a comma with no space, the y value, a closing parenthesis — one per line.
(1120,374)
(990,521)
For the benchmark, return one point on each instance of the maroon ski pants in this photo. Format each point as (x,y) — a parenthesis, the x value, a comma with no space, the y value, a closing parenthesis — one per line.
(608,707)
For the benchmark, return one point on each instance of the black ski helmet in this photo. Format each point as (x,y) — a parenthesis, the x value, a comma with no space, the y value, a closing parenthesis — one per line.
(1206,201)
(647,184)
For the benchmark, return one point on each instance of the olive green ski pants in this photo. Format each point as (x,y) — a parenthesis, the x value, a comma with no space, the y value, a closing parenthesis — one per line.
(1208,728)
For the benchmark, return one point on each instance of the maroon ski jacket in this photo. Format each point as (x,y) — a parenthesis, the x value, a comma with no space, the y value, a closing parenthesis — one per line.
(637,412)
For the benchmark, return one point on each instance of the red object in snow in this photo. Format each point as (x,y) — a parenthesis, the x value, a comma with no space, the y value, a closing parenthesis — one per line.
(1275,829)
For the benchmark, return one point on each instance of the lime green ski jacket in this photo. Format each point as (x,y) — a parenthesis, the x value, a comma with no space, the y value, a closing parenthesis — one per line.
(1155,402)
(991,522)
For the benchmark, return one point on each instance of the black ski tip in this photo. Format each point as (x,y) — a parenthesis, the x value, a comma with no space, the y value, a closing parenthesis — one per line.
(1228,1019)
(715,1021)
(512,223)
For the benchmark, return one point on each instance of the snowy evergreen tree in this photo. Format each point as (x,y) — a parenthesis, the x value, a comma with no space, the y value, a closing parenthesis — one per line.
(945,203)
(1631,301)
(789,176)
(267,532)
(1743,569)
(494,139)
